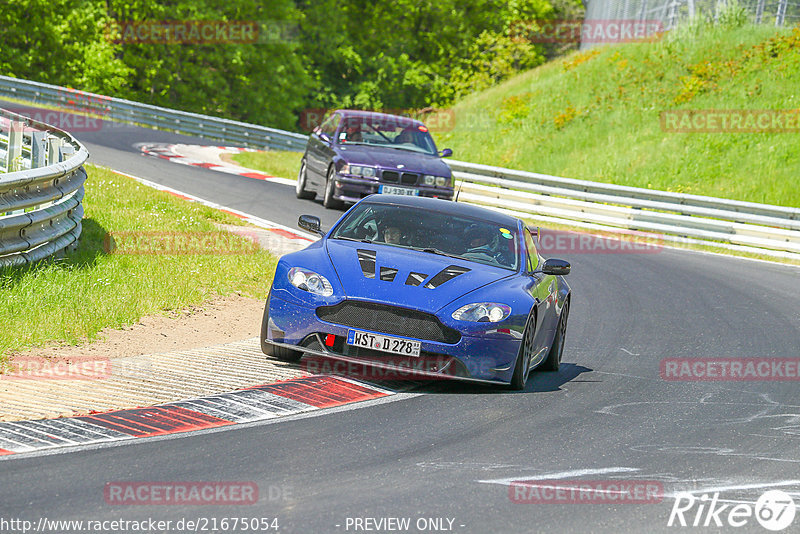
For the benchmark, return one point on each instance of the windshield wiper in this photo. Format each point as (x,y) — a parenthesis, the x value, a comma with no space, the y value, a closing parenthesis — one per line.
(352,239)
(415,150)
(439,252)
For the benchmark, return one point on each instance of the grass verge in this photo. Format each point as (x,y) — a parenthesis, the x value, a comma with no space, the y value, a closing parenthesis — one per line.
(596,115)
(71,299)
(272,162)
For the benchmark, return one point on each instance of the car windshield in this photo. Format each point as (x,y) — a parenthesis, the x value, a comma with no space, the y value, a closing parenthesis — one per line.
(386,131)
(433,232)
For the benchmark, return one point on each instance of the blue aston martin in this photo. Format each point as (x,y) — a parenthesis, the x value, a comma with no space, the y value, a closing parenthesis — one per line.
(446,289)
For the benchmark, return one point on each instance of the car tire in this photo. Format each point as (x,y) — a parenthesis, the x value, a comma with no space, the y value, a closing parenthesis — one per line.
(300,188)
(521,368)
(282,353)
(553,360)
(328,201)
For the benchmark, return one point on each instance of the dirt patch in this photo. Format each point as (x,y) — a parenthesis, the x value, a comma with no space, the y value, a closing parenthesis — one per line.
(228,158)
(221,320)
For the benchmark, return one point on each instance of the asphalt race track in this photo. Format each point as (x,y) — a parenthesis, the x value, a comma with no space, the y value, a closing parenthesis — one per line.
(449,451)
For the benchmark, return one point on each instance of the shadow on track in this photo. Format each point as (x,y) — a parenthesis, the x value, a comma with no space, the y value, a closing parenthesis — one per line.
(538,382)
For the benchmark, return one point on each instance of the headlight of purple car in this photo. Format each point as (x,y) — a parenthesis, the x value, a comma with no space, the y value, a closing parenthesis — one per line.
(439,181)
(358,170)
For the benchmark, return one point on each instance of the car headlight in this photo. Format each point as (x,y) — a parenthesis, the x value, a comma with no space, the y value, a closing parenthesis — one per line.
(482,312)
(310,281)
(440,181)
(358,170)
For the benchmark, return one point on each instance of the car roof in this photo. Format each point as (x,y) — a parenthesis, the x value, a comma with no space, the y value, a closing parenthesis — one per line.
(378,116)
(444,206)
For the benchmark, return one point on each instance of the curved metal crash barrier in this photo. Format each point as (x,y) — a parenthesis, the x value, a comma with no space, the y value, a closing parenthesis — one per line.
(41,188)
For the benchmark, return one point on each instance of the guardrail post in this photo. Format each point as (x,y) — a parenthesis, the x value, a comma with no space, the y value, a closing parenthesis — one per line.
(66,152)
(38,149)
(53,150)
(14,156)
(781,13)
(759,11)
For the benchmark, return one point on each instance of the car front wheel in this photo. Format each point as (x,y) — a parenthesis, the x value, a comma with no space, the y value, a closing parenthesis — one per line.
(282,353)
(300,188)
(523,364)
(330,202)
(553,361)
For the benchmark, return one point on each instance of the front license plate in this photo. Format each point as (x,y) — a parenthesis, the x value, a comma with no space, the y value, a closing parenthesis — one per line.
(394,345)
(392,190)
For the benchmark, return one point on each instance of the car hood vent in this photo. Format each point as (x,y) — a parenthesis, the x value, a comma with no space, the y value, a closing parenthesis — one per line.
(366,258)
(415,279)
(402,291)
(445,275)
(388,274)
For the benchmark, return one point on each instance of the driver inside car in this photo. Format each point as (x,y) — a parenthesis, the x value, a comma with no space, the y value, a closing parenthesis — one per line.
(478,240)
(392,235)
(406,136)
(353,134)
(485,241)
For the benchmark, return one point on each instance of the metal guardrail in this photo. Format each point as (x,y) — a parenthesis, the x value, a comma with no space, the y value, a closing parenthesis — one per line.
(126,111)
(771,230)
(41,188)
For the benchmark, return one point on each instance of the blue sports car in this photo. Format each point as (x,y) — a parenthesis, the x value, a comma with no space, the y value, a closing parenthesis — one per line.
(447,289)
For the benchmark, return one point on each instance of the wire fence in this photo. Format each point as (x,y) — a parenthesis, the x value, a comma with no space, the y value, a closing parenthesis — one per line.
(669,14)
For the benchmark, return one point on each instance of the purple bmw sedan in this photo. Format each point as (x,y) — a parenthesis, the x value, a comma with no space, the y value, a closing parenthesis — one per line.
(353,154)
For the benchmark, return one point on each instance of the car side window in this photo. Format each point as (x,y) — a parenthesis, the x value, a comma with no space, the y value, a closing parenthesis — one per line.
(329,126)
(533,256)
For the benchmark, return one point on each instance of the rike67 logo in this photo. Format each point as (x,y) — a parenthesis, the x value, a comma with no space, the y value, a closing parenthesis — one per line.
(774,510)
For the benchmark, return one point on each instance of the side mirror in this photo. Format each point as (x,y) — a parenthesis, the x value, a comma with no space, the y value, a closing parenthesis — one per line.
(325,137)
(310,223)
(534,230)
(446,153)
(556,267)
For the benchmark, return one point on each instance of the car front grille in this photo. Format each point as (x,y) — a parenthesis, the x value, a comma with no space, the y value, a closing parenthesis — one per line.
(406,178)
(390,320)
(409,178)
